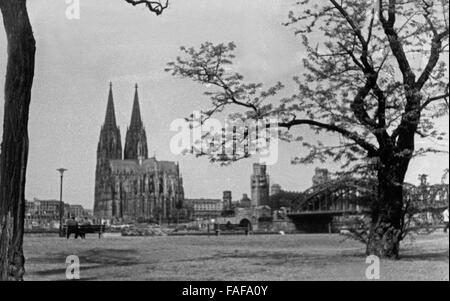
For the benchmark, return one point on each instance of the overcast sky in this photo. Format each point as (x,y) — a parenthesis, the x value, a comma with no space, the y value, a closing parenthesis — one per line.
(113,41)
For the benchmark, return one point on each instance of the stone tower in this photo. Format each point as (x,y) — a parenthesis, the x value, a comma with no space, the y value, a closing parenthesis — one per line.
(260,185)
(109,148)
(275,189)
(136,139)
(227,199)
(321,176)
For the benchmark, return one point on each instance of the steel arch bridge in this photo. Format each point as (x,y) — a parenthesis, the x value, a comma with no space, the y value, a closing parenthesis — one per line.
(316,209)
(337,197)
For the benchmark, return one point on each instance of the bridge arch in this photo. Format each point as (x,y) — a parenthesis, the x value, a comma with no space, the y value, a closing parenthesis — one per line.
(342,195)
(246,223)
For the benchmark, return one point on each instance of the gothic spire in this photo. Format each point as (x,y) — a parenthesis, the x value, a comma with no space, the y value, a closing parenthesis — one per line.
(109,145)
(110,118)
(136,120)
(136,139)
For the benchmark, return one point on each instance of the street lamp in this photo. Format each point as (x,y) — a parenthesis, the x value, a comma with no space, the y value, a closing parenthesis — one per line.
(61,204)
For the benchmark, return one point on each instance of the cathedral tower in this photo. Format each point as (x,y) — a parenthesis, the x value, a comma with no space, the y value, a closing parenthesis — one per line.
(109,148)
(109,145)
(136,138)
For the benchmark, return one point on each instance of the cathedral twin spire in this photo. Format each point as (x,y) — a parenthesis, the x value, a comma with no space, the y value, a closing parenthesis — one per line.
(136,120)
(110,118)
(136,139)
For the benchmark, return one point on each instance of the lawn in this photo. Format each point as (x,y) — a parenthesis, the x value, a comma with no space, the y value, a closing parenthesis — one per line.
(259,257)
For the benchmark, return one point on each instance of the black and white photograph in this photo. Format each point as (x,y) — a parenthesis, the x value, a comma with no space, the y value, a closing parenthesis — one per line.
(224,145)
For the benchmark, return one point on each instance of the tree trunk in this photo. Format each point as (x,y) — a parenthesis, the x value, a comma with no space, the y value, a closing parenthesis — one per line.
(387,215)
(14,148)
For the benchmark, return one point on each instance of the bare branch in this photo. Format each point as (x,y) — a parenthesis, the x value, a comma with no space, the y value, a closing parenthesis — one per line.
(436,49)
(156,7)
(433,99)
(370,148)
(395,43)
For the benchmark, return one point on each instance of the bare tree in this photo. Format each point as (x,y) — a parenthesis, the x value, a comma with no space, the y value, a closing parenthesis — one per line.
(363,80)
(14,148)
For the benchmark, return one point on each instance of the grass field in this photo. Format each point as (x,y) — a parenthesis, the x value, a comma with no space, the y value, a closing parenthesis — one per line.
(271,257)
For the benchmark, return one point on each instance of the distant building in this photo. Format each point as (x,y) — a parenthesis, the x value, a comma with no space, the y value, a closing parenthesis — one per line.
(89,212)
(260,185)
(204,208)
(48,208)
(44,213)
(429,197)
(30,207)
(245,202)
(263,213)
(227,199)
(275,189)
(66,211)
(130,186)
(321,176)
(77,211)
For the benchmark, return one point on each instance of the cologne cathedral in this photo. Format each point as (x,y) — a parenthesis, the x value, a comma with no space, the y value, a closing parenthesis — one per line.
(130,186)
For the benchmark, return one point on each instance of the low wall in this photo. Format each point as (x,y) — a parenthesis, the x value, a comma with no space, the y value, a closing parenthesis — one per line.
(285,226)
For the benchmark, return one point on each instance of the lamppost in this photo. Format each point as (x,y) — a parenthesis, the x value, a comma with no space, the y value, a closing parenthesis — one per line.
(61,204)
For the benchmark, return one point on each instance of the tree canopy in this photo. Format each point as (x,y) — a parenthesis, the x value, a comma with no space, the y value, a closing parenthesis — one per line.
(374,74)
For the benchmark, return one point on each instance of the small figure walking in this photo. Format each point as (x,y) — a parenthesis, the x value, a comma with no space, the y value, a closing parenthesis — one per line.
(445,214)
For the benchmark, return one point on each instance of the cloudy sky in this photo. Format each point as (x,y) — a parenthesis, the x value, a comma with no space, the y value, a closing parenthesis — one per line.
(113,41)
